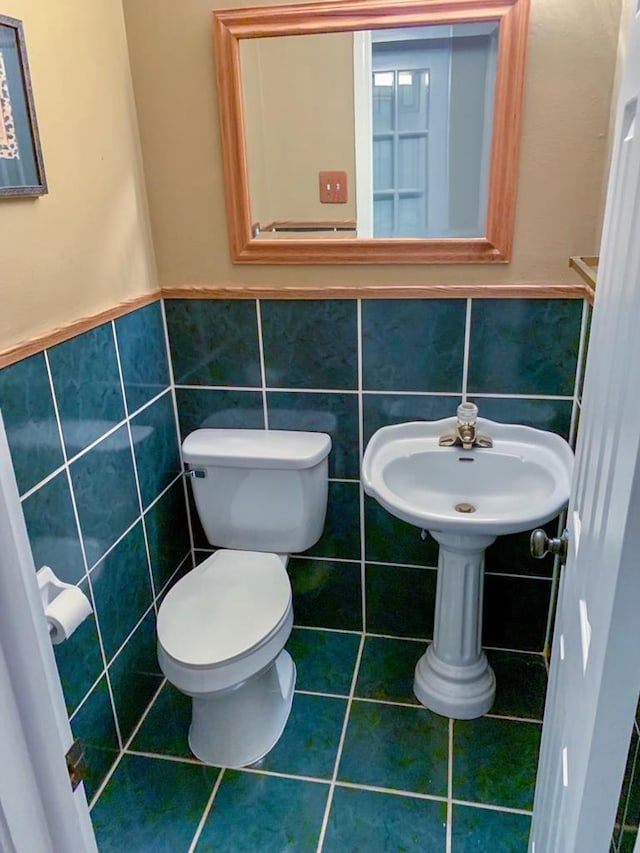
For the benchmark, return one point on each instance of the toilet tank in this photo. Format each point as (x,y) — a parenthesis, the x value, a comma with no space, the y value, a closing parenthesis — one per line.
(259,490)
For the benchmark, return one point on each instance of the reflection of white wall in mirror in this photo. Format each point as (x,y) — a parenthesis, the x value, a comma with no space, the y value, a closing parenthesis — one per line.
(298,123)
(423,167)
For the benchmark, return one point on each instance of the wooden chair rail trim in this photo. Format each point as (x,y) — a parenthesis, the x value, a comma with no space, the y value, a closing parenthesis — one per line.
(535,290)
(587,268)
(77,327)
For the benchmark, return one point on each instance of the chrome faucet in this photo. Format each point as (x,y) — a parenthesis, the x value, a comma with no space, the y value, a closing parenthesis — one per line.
(466,434)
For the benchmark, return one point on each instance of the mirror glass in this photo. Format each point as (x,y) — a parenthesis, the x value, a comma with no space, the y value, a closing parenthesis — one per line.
(401,119)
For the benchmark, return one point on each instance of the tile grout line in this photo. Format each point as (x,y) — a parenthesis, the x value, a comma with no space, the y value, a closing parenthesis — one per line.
(112,547)
(125,642)
(329,630)
(383,564)
(258,771)
(467,346)
(413,705)
(492,807)
(417,795)
(124,749)
(396,792)
(374,393)
(343,734)
(263,368)
(168,583)
(45,481)
(360,363)
(161,756)
(83,552)
(580,366)
(412,639)
(172,388)
(134,462)
(512,719)
(149,609)
(85,450)
(161,494)
(323,695)
(207,810)
(449,836)
(486,395)
(110,772)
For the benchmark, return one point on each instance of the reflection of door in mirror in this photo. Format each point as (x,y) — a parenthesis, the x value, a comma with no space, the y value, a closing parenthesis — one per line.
(423,100)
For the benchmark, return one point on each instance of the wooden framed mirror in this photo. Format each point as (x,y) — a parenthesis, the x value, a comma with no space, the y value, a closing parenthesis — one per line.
(259,234)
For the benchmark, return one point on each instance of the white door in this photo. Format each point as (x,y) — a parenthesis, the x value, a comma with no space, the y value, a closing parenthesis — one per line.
(39,812)
(401,103)
(595,663)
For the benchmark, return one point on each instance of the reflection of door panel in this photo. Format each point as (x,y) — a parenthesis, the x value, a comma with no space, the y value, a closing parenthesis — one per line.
(595,666)
(410,138)
(424,107)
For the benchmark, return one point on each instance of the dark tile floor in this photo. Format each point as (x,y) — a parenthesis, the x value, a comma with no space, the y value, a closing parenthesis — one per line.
(361,766)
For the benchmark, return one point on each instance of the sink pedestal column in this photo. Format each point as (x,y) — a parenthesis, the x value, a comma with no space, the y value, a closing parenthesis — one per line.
(453,677)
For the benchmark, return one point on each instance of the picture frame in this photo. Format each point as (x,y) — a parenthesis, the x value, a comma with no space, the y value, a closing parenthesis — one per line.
(21,164)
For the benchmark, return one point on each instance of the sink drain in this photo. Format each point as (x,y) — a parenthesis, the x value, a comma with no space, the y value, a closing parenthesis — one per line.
(464,508)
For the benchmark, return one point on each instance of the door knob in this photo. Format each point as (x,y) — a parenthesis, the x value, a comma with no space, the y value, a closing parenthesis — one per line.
(541,545)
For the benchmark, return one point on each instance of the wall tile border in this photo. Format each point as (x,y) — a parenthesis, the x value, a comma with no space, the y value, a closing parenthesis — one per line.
(522,290)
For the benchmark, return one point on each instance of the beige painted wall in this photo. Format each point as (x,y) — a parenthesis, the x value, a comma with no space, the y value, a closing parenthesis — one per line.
(86,245)
(298,124)
(571,63)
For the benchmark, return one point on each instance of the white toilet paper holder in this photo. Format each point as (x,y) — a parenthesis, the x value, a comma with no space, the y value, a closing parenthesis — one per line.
(51,587)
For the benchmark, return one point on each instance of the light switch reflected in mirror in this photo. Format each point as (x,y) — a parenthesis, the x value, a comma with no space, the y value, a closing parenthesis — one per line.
(407,113)
(417,103)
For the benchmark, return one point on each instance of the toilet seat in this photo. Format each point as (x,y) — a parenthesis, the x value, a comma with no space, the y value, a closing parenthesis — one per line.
(224,609)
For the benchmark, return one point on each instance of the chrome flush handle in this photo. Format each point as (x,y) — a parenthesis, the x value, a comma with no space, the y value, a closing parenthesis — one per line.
(194,474)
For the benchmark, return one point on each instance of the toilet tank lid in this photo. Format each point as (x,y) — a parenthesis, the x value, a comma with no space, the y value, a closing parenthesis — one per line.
(255,448)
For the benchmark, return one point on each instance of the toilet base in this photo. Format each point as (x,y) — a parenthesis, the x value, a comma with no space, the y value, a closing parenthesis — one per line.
(239,727)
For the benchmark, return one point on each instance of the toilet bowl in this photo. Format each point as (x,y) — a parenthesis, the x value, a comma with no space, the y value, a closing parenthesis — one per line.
(221,634)
(222,628)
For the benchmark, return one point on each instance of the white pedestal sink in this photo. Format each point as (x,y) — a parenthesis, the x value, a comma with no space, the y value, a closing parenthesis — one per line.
(465,499)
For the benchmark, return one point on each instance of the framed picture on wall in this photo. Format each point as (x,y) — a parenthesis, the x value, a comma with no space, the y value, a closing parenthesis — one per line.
(21,166)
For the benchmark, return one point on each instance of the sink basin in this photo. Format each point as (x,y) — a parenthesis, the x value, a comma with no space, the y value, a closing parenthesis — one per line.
(519,483)
(465,499)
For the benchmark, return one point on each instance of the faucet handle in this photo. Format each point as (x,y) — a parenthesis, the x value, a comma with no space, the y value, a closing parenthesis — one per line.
(467,413)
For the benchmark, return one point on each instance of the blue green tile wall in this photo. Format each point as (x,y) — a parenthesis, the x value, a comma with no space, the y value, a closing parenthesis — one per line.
(348,367)
(94,426)
(92,429)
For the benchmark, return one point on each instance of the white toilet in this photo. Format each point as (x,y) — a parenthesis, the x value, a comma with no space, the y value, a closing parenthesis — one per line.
(222,628)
